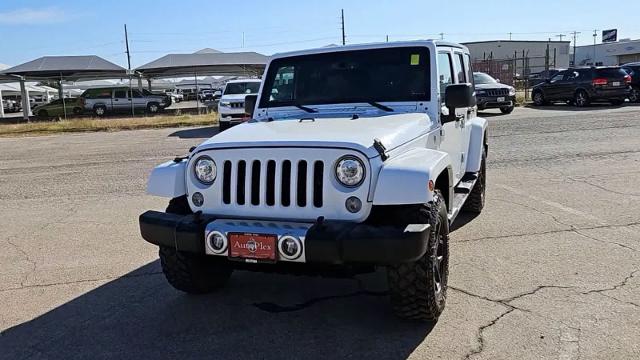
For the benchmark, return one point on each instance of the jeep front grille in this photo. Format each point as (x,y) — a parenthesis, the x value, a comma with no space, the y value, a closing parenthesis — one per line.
(269,183)
(236,105)
(498,92)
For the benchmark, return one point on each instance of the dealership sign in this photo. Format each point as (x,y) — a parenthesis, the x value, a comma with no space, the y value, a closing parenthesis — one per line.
(609,35)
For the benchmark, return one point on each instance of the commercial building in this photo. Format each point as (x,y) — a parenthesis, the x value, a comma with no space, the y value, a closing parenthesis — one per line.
(537,53)
(609,53)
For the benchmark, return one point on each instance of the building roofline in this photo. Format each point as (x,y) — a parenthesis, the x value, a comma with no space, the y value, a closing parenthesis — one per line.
(515,41)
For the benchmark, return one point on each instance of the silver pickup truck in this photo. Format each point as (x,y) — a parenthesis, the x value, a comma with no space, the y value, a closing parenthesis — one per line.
(101,101)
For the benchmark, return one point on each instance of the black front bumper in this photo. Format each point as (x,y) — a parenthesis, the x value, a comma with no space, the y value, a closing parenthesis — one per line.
(331,242)
(491,102)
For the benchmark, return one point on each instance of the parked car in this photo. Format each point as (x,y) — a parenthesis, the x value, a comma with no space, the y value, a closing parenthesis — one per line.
(356,158)
(231,106)
(57,107)
(175,95)
(491,94)
(581,86)
(217,94)
(633,69)
(206,95)
(101,101)
(10,106)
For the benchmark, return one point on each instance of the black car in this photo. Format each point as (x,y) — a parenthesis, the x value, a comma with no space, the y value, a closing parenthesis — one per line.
(633,69)
(581,86)
(491,94)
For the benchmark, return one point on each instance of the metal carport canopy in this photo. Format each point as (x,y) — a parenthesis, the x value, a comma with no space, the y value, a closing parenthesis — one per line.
(182,65)
(61,68)
(70,68)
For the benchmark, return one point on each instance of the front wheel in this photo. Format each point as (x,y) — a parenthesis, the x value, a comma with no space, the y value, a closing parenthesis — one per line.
(224,125)
(193,273)
(475,201)
(153,108)
(617,102)
(418,289)
(507,109)
(99,110)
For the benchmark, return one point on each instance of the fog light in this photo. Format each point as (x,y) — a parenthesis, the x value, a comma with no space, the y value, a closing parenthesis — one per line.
(290,247)
(217,242)
(197,199)
(353,204)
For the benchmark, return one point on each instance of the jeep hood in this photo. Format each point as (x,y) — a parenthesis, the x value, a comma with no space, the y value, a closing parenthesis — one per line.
(234,97)
(391,130)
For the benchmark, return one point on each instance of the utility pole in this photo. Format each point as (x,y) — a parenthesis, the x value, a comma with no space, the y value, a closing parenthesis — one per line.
(560,36)
(510,36)
(595,35)
(344,39)
(126,41)
(243,39)
(575,36)
(387,38)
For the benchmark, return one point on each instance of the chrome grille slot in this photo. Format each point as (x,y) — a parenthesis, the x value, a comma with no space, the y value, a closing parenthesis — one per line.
(498,92)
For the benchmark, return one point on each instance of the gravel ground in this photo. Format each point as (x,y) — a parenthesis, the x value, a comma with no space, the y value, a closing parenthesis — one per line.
(550,269)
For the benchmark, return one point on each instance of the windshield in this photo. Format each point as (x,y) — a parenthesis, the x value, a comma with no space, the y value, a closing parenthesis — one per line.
(482,78)
(241,88)
(390,74)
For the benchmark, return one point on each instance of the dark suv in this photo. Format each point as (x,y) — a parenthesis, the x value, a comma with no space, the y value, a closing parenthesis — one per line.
(633,69)
(584,85)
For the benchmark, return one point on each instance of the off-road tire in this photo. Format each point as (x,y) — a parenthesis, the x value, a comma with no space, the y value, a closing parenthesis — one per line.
(538,98)
(193,273)
(413,286)
(507,109)
(581,98)
(43,113)
(188,272)
(616,102)
(475,201)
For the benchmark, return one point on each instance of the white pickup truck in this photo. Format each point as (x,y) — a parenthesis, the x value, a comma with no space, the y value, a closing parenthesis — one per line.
(231,104)
(356,157)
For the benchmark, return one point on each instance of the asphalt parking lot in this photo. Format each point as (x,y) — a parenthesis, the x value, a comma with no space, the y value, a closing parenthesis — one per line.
(550,269)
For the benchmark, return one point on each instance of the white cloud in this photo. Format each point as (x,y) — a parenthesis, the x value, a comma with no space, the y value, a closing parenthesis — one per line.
(30,16)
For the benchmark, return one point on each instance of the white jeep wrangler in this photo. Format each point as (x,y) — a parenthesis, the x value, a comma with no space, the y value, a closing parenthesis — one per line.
(355,157)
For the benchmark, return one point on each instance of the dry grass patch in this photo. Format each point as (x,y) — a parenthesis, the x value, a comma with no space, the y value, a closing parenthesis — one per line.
(106,124)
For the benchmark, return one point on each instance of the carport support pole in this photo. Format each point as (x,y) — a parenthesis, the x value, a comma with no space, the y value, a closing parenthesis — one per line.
(1,106)
(195,76)
(26,106)
(149,84)
(140,83)
(64,104)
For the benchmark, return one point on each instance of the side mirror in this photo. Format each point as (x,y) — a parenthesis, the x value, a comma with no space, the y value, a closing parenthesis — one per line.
(250,104)
(498,80)
(458,96)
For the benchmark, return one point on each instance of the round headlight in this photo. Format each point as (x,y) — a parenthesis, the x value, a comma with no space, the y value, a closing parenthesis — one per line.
(512,91)
(350,171)
(205,170)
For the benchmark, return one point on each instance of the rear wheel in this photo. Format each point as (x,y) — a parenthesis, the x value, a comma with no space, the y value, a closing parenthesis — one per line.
(538,98)
(189,272)
(634,96)
(581,98)
(43,113)
(77,111)
(419,289)
(507,109)
(224,125)
(475,201)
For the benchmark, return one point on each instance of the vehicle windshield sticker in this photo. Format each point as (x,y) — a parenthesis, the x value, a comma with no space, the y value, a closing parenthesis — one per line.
(415,59)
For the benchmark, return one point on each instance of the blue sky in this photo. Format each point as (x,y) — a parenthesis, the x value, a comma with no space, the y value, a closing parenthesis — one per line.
(33,28)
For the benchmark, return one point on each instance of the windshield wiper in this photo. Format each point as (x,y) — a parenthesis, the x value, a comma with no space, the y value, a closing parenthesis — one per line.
(307,109)
(380,106)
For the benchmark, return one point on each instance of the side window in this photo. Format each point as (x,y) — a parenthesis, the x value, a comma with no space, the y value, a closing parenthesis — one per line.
(572,75)
(445,74)
(459,68)
(137,94)
(283,85)
(120,94)
(557,77)
(467,66)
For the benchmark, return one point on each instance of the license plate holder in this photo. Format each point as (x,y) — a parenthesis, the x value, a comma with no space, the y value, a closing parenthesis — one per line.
(615,83)
(501,99)
(252,247)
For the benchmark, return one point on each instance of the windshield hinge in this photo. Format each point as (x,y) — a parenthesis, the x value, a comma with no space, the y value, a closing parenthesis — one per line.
(377,144)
